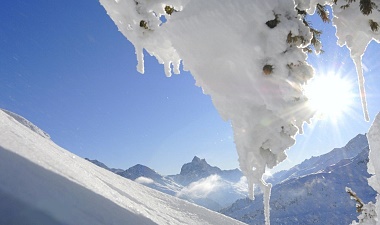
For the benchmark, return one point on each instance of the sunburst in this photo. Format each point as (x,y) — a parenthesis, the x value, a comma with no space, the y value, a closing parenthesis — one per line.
(330,95)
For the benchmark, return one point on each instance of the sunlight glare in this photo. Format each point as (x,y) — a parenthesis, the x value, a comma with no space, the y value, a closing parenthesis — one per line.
(330,95)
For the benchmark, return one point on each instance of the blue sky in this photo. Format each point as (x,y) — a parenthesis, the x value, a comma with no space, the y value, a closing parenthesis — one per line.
(65,67)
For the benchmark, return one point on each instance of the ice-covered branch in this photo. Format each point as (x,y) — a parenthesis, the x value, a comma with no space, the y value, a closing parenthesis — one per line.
(248,55)
(354,30)
(249,59)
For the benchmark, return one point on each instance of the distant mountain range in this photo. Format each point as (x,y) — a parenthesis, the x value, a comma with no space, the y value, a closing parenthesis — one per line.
(312,192)
(197,182)
(318,163)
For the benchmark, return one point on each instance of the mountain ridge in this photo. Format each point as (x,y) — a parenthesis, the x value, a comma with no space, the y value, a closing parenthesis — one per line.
(316,163)
(317,198)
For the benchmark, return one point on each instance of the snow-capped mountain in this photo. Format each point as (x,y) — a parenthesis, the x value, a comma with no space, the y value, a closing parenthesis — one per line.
(316,198)
(42,183)
(148,177)
(198,169)
(194,171)
(198,182)
(141,171)
(100,164)
(209,186)
(318,163)
(215,189)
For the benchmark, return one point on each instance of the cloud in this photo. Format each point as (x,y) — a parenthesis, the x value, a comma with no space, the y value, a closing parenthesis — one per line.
(242,185)
(144,180)
(202,188)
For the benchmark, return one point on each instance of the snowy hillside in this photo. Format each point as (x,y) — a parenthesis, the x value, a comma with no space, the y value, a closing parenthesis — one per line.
(318,198)
(42,183)
(27,124)
(318,163)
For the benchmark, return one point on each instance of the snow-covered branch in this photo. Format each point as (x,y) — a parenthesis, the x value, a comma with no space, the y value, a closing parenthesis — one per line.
(249,56)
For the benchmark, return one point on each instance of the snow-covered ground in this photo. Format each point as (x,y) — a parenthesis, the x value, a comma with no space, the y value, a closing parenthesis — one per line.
(42,183)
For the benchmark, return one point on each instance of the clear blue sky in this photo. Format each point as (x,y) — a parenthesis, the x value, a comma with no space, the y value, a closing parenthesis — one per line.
(66,68)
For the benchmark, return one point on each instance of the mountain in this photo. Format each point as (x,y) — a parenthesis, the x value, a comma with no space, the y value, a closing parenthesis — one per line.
(102,165)
(209,186)
(198,169)
(148,177)
(42,183)
(311,182)
(198,182)
(194,171)
(140,171)
(318,163)
(316,198)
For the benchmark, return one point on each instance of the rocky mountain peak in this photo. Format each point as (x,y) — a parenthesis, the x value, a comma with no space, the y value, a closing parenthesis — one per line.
(198,166)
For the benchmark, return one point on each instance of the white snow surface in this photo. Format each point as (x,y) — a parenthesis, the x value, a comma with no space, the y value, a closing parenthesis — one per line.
(27,124)
(42,183)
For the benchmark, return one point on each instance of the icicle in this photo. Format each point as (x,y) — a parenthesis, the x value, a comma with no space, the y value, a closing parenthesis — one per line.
(266,188)
(140,59)
(168,69)
(359,69)
(250,188)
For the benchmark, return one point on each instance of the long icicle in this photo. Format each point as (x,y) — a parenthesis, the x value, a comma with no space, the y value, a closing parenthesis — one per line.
(359,69)
(266,188)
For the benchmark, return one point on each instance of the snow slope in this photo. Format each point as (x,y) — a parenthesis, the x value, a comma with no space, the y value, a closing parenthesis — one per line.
(41,183)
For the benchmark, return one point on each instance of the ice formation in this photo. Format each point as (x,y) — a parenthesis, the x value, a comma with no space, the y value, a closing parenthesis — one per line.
(356,36)
(247,55)
(373,164)
(353,29)
(371,211)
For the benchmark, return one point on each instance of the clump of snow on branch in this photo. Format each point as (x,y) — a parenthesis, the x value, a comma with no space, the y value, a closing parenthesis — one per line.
(357,24)
(249,59)
(248,55)
(353,30)
(367,211)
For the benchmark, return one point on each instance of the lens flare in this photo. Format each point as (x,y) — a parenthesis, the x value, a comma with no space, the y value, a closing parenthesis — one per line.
(330,95)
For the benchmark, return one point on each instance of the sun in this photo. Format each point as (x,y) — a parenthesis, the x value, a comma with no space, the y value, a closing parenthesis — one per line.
(330,95)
